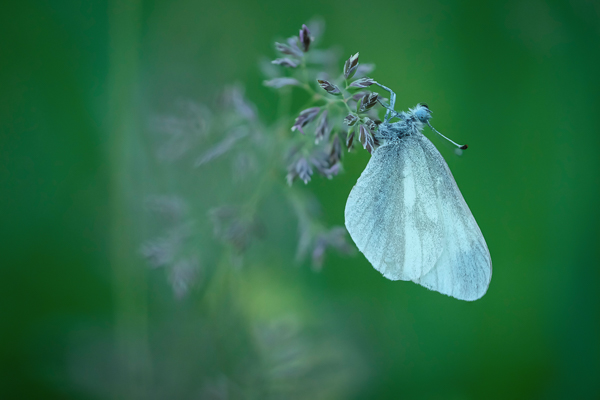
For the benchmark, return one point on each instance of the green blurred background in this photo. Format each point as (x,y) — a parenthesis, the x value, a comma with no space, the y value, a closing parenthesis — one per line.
(82,317)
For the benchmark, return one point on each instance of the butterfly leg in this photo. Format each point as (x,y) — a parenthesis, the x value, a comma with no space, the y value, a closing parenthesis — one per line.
(390,113)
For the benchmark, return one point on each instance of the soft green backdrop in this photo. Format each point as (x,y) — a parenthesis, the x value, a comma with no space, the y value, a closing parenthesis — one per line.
(518,81)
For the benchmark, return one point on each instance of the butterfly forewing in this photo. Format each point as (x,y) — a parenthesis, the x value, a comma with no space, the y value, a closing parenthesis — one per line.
(393,213)
(408,217)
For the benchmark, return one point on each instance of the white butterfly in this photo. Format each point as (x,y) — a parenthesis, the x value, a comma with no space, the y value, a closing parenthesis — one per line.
(408,217)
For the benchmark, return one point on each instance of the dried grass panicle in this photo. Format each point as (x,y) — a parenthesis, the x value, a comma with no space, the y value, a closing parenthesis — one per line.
(233,137)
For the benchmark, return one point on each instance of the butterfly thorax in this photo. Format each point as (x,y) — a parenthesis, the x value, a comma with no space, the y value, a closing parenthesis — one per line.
(409,125)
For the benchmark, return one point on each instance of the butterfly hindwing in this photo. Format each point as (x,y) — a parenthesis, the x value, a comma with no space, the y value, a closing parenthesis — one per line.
(464,268)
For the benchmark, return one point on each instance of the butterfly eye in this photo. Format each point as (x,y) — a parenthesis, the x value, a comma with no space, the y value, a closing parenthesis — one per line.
(426,106)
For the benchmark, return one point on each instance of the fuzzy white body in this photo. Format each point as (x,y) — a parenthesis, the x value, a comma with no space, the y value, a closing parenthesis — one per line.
(409,219)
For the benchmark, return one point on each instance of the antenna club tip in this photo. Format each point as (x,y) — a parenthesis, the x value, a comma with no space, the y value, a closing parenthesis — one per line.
(464,147)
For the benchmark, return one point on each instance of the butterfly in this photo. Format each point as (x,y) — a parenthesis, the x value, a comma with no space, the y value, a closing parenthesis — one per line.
(408,217)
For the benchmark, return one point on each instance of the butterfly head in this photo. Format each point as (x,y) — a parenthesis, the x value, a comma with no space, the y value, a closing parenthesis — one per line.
(422,112)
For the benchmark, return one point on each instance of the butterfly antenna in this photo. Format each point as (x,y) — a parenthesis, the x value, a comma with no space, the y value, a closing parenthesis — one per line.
(462,147)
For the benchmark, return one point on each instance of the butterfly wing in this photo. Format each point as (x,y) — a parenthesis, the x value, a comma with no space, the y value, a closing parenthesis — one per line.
(464,268)
(393,213)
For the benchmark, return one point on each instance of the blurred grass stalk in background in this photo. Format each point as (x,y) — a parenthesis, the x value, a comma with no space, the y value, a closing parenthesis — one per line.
(253,352)
(133,366)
